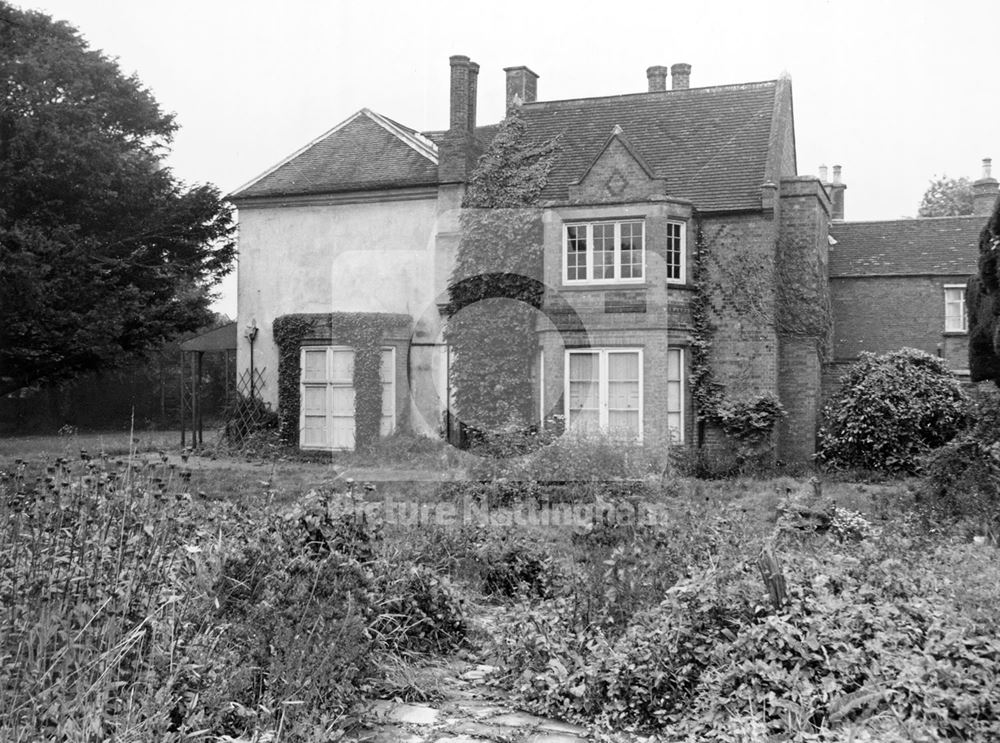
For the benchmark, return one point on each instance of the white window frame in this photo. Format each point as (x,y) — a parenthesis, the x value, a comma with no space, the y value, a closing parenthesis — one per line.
(949,324)
(392,391)
(681,278)
(602,385)
(681,398)
(590,280)
(329,383)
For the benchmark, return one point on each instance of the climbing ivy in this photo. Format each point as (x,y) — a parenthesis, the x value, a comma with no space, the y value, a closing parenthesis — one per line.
(749,420)
(364,332)
(496,284)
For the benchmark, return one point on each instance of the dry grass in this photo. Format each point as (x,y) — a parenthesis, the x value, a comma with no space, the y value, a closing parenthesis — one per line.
(40,448)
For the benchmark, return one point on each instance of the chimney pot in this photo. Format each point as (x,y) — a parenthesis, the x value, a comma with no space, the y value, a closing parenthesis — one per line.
(836,174)
(985,190)
(680,76)
(823,174)
(522,86)
(657,76)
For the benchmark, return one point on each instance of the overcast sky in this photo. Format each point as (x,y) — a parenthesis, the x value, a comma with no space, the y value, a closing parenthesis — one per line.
(894,92)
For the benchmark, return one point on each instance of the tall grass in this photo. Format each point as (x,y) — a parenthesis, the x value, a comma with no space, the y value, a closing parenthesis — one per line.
(95,600)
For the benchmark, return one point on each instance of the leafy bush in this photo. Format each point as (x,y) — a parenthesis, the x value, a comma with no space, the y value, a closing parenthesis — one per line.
(962,478)
(516,568)
(891,410)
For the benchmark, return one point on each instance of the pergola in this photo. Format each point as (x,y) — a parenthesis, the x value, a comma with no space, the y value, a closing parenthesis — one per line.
(219,340)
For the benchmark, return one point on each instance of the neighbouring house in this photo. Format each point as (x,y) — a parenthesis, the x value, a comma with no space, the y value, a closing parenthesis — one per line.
(677,232)
(902,282)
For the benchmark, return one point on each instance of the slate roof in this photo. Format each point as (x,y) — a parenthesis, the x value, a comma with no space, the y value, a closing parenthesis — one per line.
(926,246)
(710,144)
(367,151)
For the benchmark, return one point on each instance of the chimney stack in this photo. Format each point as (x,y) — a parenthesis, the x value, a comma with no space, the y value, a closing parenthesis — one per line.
(985,190)
(473,84)
(680,76)
(522,86)
(657,77)
(823,175)
(460,74)
(836,191)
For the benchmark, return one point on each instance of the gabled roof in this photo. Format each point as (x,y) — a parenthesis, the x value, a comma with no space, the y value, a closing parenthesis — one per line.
(712,145)
(926,246)
(617,134)
(366,151)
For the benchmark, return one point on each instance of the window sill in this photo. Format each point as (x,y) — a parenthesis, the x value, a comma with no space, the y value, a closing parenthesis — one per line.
(604,285)
(948,333)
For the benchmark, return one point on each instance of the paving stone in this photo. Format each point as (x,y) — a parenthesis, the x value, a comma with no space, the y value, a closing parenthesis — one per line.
(462,739)
(476,729)
(517,720)
(563,727)
(412,714)
(554,738)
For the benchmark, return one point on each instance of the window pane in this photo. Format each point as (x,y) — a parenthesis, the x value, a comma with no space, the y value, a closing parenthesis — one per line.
(631,250)
(343,365)
(604,251)
(576,252)
(674,364)
(314,400)
(623,366)
(674,254)
(584,388)
(623,423)
(314,368)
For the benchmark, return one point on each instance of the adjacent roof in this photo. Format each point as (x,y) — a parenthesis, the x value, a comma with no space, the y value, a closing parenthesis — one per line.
(367,151)
(710,144)
(928,246)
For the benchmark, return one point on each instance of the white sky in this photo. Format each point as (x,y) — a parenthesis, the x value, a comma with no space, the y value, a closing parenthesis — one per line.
(894,92)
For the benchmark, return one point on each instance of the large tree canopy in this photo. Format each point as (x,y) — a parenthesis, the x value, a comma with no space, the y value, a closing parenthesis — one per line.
(947,197)
(103,253)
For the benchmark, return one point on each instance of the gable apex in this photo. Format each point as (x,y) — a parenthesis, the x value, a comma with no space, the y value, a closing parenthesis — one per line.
(617,134)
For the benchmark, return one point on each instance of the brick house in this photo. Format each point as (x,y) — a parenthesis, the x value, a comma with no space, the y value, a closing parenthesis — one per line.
(648,191)
(899,283)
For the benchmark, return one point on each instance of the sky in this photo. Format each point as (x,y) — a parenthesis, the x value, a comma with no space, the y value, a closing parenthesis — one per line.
(896,93)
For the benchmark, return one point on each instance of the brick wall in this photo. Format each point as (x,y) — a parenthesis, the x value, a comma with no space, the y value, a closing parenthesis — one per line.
(744,344)
(803,294)
(886,313)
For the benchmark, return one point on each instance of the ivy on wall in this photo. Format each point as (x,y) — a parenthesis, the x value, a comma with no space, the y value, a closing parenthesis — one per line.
(364,332)
(496,284)
(748,420)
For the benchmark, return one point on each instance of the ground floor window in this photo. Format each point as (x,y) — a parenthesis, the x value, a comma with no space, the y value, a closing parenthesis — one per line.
(675,395)
(327,396)
(604,391)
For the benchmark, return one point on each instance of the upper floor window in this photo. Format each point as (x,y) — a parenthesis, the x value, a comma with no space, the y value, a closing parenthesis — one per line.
(604,252)
(954,309)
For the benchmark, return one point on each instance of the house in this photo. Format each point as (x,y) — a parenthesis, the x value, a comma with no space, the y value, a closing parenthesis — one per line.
(677,234)
(902,282)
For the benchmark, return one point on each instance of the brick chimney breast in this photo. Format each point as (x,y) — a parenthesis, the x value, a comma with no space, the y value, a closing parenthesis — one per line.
(522,84)
(680,76)
(459,112)
(985,190)
(657,77)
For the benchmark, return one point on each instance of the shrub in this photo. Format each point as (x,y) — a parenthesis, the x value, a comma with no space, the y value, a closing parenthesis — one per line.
(962,478)
(891,410)
(516,568)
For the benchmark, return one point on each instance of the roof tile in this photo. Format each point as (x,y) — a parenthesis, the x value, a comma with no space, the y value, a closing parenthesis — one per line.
(929,246)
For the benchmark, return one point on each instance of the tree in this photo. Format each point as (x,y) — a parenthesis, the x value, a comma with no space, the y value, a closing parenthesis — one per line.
(103,254)
(946,197)
(892,409)
(496,284)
